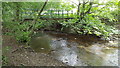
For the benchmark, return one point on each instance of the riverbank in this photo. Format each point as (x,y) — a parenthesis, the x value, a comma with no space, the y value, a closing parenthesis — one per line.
(17,55)
(76,46)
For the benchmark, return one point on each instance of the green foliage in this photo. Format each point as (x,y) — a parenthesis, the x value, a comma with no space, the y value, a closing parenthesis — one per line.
(94,22)
(22,36)
(97,20)
(90,25)
(20,32)
(108,11)
(67,6)
(4,60)
(95,26)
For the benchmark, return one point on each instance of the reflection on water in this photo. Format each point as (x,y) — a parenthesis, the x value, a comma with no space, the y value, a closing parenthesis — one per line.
(69,51)
(65,53)
(40,43)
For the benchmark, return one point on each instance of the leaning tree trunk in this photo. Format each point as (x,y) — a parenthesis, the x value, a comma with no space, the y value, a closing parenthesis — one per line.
(39,14)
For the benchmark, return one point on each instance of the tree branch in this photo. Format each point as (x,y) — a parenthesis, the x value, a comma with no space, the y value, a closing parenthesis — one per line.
(78,11)
(89,8)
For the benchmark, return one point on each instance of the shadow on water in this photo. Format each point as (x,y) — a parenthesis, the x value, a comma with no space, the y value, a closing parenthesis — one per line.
(41,43)
(75,50)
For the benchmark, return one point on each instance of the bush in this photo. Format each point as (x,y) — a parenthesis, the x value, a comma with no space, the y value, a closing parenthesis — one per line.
(90,25)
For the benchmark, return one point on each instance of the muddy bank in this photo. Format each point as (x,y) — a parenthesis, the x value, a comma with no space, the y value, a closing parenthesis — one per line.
(25,57)
(18,55)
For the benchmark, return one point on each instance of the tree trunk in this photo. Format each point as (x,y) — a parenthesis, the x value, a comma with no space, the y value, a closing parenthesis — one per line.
(78,11)
(90,4)
(83,13)
(39,14)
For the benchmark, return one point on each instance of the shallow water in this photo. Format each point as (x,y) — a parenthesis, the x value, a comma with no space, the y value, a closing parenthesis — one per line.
(75,50)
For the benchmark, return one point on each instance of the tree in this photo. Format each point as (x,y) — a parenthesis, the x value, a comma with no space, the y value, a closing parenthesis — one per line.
(39,14)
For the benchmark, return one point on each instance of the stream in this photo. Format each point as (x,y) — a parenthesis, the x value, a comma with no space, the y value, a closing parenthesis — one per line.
(75,50)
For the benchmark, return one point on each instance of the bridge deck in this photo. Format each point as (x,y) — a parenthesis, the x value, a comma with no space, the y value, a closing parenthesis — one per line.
(49,14)
(56,18)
